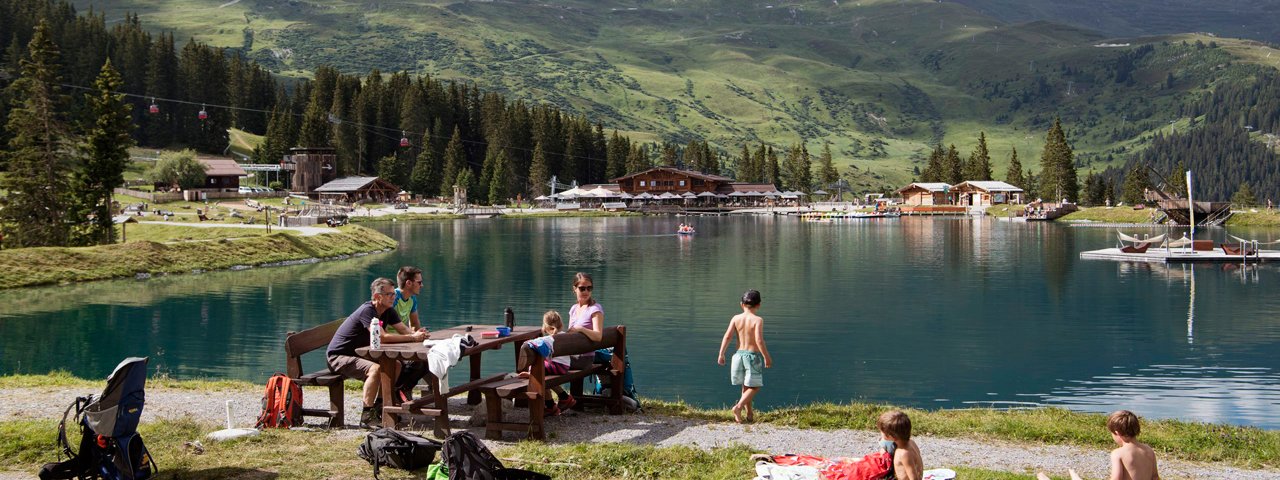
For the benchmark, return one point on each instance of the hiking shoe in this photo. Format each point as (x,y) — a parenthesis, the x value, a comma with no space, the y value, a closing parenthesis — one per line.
(554,411)
(405,395)
(567,403)
(370,417)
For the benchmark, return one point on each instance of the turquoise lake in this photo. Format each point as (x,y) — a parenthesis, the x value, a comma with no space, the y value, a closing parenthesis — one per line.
(926,312)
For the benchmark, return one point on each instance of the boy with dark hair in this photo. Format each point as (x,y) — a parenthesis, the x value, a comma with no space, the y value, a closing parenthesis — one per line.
(1132,460)
(408,285)
(752,356)
(895,429)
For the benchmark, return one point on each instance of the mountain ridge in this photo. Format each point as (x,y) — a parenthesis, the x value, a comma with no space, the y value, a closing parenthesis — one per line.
(881,80)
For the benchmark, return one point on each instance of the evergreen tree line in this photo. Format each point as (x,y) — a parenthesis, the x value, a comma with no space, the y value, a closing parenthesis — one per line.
(1057,179)
(1223,160)
(60,171)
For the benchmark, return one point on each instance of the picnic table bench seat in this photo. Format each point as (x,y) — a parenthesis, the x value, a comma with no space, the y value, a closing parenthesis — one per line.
(532,390)
(298,343)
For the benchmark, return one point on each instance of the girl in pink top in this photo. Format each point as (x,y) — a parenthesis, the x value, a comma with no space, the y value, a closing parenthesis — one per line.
(586,315)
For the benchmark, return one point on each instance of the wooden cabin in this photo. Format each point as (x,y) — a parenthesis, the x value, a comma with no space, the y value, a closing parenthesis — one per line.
(353,189)
(985,192)
(926,193)
(659,180)
(221,174)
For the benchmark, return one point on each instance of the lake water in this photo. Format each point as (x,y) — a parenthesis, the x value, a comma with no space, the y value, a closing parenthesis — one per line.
(928,312)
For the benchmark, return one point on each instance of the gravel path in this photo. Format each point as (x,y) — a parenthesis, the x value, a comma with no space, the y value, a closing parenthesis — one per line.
(643,429)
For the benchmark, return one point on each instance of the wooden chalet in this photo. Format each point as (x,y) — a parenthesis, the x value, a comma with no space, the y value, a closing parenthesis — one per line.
(352,189)
(221,174)
(926,193)
(659,180)
(985,192)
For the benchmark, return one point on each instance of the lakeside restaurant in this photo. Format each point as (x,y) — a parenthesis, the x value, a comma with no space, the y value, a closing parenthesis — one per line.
(985,193)
(926,193)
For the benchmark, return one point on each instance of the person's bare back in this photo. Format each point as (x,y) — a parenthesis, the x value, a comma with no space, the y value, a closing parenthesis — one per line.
(1134,461)
(748,326)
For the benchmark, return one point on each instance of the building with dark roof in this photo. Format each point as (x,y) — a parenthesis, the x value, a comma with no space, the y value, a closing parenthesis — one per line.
(659,180)
(221,174)
(352,189)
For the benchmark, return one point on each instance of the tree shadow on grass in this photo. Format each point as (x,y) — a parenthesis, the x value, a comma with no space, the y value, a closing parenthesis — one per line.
(233,473)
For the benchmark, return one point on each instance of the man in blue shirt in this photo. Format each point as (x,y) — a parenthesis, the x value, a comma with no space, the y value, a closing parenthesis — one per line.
(354,333)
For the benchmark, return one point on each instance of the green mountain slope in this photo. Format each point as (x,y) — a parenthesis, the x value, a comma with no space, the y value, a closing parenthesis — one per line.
(881,80)
(1228,18)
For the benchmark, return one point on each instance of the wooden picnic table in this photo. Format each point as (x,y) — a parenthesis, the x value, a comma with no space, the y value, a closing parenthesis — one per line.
(435,403)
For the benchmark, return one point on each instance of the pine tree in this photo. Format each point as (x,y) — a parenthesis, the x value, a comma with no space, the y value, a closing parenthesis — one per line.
(951,167)
(455,162)
(106,154)
(1013,176)
(1057,166)
(33,211)
(638,159)
(161,81)
(806,170)
(827,174)
(573,154)
(616,159)
(465,181)
(773,172)
(1244,196)
(1178,179)
(979,165)
(276,142)
(499,189)
(393,168)
(539,172)
(669,155)
(1093,189)
(933,170)
(1136,182)
(423,181)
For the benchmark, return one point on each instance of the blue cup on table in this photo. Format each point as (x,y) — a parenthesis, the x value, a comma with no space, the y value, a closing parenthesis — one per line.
(504,331)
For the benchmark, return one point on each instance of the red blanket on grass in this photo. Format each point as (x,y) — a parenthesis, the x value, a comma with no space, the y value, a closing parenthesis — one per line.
(871,467)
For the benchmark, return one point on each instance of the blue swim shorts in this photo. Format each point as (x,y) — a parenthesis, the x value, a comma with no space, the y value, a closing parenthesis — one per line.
(747,369)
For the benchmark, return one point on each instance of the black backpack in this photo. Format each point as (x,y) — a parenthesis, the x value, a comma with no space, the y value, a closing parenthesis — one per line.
(468,459)
(403,450)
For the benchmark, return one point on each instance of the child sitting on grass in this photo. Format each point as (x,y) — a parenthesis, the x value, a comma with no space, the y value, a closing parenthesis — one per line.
(1132,460)
(553,365)
(895,429)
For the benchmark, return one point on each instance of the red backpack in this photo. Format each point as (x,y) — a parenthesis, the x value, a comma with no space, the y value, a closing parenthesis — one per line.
(281,404)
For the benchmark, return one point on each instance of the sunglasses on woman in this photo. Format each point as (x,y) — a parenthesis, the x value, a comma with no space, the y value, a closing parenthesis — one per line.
(584,288)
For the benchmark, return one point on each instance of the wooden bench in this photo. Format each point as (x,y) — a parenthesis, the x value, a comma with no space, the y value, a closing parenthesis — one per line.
(298,343)
(533,389)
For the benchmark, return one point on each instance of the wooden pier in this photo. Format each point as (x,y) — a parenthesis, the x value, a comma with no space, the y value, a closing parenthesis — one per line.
(1180,255)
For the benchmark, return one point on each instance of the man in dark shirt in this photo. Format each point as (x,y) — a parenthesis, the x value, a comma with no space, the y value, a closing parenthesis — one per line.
(354,333)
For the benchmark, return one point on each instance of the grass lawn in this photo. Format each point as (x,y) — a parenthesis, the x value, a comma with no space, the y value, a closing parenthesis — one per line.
(285,454)
(1111,215)
(151,232)
(1242,446)
(23,267)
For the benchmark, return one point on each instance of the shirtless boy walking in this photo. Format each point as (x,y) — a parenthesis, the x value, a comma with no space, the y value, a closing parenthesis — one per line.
(752,356)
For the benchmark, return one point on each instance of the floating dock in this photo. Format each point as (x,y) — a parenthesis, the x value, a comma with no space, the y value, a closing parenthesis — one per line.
(1180,255)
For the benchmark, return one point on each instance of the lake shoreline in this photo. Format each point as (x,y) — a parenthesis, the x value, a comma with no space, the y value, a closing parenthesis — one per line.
(31,405)
(42,266)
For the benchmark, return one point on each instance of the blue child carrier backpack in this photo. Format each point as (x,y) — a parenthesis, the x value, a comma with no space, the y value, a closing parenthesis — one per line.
(110,447)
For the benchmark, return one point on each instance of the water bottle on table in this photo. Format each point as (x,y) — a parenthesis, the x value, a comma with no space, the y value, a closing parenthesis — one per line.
(375,334)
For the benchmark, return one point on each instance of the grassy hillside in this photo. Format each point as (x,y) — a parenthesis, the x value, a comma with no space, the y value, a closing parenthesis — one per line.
(1228,18)
(881,80)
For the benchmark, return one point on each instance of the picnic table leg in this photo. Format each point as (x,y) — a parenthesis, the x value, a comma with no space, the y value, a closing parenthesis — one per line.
(473,397)
(387,365)
(442,404)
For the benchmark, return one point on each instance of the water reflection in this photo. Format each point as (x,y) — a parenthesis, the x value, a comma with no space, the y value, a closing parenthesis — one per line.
(917,311)
(1240,395)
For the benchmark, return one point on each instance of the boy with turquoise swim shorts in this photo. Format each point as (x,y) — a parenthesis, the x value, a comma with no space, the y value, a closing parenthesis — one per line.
(752,356)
